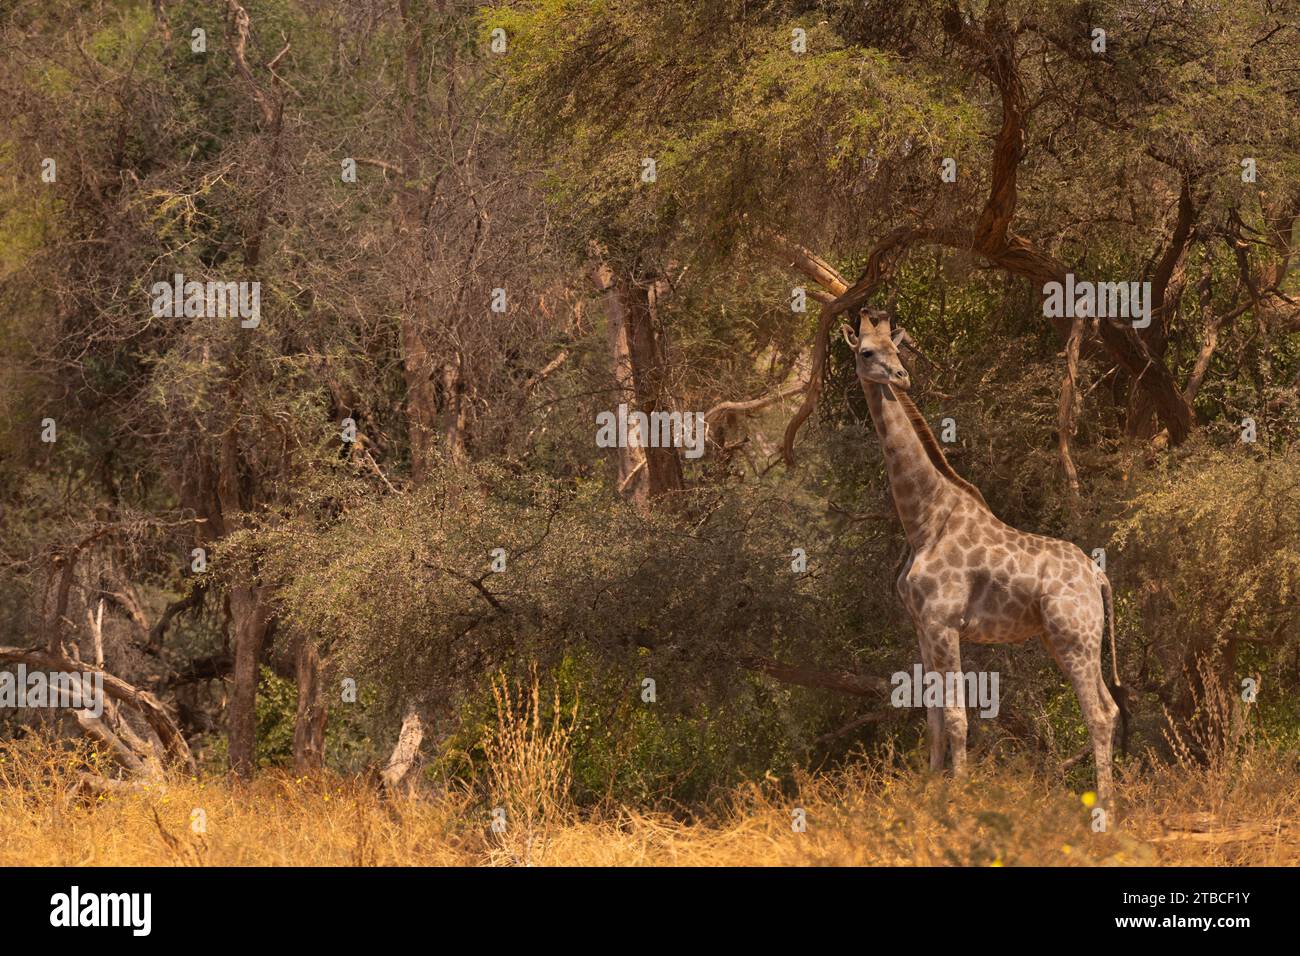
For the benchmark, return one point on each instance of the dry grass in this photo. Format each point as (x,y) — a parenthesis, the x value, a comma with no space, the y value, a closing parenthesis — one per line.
(1005,814)
(528,770)
(1242,807)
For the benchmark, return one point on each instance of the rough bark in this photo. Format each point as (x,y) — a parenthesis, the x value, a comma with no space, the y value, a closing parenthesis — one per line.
(632,484)
(249,620)
(452,416)
(65,564)
(663,465)
(249,624)
(636,367)
(405,754)
(310,720)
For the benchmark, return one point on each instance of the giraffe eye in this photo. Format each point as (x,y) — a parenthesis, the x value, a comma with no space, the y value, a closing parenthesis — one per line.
(867,353)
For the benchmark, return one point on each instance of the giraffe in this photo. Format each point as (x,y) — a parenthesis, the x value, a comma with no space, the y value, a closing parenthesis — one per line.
(970,577)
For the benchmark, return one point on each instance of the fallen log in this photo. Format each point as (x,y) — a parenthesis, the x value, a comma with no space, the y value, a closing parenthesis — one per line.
(135,753)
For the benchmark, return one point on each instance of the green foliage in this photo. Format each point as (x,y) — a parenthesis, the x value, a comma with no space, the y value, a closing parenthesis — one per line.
(629,750)
(277,702)
(741,127)
(403,588)
(480,171)
(1212,547)
(411,574)
(348,745)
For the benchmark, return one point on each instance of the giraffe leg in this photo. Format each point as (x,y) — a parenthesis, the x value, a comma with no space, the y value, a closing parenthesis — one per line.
(1079,655)
(945,649)
(933,715)
(938,744)
(1102,748)
(1100,721)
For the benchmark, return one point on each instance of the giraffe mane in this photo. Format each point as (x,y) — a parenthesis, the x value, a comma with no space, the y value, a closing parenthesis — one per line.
(931,446)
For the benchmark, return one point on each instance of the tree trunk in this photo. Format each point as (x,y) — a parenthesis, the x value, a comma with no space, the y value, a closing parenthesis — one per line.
(452,411)
(421,395)
(248,617)
(643,473)
(405,753)
(310,720)
(663,465)
(633,483)
(1067,413)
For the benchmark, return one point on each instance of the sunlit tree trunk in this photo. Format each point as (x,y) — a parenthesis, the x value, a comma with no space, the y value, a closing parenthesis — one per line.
(637,370)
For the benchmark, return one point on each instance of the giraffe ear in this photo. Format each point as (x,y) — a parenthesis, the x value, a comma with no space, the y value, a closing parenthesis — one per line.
(849,335)
(900,335)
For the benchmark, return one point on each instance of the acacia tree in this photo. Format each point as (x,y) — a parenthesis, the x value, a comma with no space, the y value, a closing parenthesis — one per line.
(657,190)
(1073,151)
(466,244)
(218,157)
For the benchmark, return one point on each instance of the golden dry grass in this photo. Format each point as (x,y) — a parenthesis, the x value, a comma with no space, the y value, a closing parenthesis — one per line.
(1002,814)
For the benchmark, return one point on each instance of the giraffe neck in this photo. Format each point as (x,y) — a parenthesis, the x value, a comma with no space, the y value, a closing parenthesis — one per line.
(922,495)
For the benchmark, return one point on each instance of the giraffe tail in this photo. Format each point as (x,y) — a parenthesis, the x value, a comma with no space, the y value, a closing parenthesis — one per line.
(1119,691)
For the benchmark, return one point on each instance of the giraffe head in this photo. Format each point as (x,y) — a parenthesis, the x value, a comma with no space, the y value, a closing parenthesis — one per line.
(875,348)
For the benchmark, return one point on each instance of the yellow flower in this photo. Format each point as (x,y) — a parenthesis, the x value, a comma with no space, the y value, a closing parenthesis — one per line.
(997,862)
(1066,848)
(1089,799)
